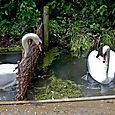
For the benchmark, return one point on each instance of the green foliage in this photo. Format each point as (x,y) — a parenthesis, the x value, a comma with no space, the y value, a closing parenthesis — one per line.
(70,31)
(6,9)
(99,11)
(89,16)
(58,32)
(94,26)
(4,27)
(68,22)
(57,89)
(10,50)
(80,43)
(26,17)
(50,56)
(60,7)
(102,10)
(56,28)
(108,37)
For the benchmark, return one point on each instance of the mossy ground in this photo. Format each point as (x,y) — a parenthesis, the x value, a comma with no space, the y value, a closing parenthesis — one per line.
(10,46)
(10,50)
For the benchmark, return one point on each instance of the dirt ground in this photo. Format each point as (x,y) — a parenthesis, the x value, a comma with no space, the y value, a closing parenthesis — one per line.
(98,107)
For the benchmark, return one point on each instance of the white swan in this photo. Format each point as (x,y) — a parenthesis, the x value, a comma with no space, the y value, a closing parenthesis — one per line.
(102,68)
(7,75)
(7,71)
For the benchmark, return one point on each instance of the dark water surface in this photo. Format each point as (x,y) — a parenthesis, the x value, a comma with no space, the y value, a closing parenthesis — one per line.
(76,70)
(70,70)
(10,58)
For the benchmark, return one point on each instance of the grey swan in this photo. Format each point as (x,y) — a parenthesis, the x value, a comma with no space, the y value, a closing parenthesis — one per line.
(7,71)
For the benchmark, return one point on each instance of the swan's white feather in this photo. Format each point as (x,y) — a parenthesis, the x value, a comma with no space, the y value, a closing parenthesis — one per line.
(7,75)
(97,69)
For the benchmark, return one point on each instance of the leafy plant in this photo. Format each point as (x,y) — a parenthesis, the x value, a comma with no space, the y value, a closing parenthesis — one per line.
(68,22)
(108,37)
(27,16)
(80,43)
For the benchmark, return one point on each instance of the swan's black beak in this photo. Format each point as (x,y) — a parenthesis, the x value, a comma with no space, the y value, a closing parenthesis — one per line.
(104,57)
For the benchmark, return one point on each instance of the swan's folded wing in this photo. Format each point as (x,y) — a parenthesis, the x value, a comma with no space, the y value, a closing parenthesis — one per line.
(7,68)
(112,61)
(96,67)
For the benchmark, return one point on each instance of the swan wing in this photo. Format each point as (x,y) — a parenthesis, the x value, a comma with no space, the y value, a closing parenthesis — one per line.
(96,67)
(111,72)
(112,60)
(7,68)
(7,75)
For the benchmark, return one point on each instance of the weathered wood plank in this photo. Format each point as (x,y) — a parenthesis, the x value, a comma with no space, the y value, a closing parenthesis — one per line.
(59,100)
(46,23)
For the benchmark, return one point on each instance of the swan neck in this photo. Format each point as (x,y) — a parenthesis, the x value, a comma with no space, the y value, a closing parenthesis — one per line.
(107,61)
(26,47)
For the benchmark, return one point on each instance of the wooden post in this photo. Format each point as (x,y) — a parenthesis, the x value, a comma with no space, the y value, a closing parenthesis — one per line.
(46,23)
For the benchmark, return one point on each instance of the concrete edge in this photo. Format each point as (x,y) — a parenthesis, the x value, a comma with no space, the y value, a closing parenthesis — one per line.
(59,100)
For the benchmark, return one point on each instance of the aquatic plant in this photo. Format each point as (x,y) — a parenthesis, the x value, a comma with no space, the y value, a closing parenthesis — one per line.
(58,88)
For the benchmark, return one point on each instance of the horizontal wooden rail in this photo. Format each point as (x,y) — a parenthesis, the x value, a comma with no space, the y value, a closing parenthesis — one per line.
(59,100)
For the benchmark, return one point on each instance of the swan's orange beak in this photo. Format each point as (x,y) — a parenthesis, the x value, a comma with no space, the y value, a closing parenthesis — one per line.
(40,47)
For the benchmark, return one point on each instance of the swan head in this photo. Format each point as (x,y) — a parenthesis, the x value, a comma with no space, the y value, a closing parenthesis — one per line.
(105,51)
(106,48)
(33,37)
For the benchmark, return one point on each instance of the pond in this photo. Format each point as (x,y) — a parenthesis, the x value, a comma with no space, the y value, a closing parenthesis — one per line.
(66,68)
(76,70)
(12,58)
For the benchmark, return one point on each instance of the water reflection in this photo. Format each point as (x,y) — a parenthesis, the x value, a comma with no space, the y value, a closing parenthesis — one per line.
(72,70)
(10,58)
(9,93)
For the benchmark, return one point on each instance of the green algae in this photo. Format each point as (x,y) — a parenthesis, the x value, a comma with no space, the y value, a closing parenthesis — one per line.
(10,50)
(50,56)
